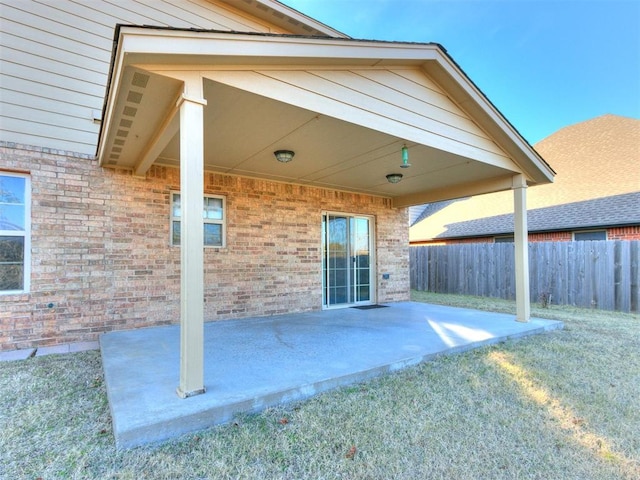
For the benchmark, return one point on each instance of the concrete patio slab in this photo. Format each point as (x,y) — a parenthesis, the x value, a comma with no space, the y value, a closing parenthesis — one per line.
(255,363)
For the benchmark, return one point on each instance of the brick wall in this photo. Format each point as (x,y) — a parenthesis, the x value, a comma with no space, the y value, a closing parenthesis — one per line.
(617,233)
(470,240)
(624,233)
(101,258)
(551,237)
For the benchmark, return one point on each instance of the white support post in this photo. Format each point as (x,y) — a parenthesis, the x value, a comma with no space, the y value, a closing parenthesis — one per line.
(521,239)
(191,106)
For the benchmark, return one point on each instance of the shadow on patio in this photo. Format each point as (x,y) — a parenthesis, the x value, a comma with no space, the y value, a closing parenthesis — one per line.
(255,363)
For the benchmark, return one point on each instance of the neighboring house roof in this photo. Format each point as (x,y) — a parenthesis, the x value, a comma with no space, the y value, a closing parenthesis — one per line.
(418,213)
(617,210)
(595,159)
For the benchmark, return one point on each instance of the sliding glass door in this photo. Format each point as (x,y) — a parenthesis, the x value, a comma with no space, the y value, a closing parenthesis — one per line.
(347,245)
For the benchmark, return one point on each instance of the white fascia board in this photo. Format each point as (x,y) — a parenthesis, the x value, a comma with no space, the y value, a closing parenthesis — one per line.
(147,41)
(497,184)
(188,49)
(449,73)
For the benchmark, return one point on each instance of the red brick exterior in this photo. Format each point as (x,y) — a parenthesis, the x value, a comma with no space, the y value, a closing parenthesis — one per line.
(624,233)
(101,258)
(551,237)
(467,240)
(616,233)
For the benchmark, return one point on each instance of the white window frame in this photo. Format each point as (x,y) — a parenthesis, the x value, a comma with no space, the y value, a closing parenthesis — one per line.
(222,221)
(373,294)
(504,239)
(579,232)
(26,234)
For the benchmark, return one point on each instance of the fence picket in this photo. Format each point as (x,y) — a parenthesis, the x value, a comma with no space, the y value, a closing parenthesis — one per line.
(592,274)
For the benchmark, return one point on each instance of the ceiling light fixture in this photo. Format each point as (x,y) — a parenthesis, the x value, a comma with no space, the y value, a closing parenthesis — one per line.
(284,156)
(394,177)
(405,157)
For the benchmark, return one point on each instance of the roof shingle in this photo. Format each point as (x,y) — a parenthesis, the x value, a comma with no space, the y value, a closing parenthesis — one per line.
(616,210)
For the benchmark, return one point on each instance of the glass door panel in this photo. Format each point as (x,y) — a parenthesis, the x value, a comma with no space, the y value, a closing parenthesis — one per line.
(361,253)
(337,252)
(346,246)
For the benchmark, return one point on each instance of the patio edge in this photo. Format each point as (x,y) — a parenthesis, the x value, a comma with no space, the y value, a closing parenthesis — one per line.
(155,432)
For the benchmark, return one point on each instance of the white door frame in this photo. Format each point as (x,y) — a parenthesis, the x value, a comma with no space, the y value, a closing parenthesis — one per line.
(372,261)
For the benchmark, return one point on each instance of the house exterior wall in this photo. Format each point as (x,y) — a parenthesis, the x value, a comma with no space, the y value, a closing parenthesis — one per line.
(101,259)
(615,233)
(55,61)
(624,233)
(551,237)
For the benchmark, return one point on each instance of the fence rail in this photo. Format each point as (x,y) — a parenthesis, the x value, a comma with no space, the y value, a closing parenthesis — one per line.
(592,274)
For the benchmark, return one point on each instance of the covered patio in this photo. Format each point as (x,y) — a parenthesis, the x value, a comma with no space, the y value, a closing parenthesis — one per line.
(397,121)
(255,363)
(375,127)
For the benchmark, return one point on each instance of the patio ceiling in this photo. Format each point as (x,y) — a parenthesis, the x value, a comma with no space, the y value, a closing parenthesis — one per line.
(344,107)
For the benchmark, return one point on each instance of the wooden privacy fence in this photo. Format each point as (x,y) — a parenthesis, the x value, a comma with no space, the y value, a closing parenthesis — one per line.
(593,274)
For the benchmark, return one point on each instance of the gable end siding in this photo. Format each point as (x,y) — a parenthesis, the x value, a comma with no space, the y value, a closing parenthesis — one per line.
(55,61)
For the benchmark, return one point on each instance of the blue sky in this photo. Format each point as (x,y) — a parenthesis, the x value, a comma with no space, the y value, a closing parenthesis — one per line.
(544,64)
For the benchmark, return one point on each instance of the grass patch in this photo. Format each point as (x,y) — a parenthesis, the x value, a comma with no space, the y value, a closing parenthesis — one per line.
(560,405)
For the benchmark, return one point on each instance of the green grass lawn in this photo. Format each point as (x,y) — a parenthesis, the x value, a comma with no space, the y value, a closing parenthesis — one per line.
(564,405)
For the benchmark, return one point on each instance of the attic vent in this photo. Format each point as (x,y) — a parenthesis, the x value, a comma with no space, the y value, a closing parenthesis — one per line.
(122,133)
(114,156)
(112,162)
(262,7)
(278,14)
(118,141)
(140,80)
(116,149)
(134,97)
(125,123)
(130,111)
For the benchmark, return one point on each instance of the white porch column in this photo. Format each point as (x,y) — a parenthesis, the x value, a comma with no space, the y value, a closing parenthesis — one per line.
(191,106)
(521,239)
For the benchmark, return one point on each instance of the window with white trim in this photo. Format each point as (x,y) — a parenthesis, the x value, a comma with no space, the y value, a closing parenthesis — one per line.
(504,239)
(213,217)
(15,229)
(590,235)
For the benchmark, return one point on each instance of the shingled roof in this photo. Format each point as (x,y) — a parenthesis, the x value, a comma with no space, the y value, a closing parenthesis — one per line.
(597,185)
(420,212)
(617,210)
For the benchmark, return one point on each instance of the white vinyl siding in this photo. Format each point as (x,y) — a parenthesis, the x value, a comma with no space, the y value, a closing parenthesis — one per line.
(15,229)
(55,61)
